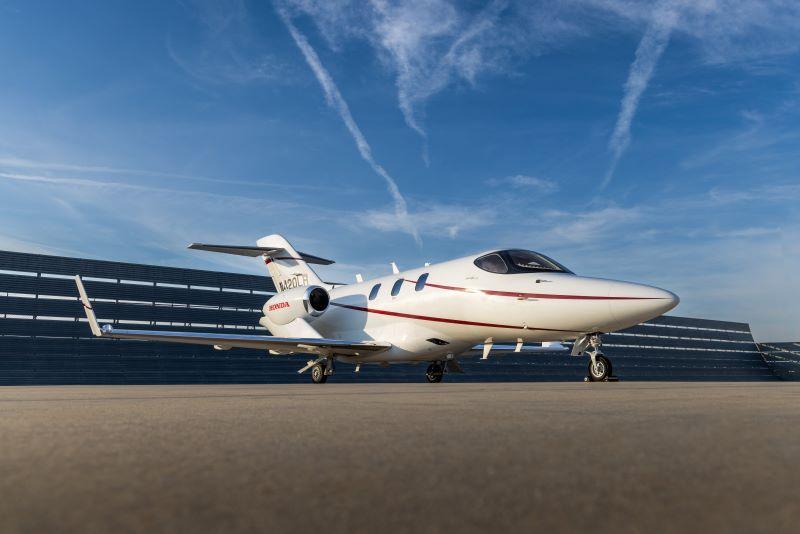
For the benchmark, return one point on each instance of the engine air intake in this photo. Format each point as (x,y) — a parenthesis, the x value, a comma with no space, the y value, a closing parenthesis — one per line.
(318,299)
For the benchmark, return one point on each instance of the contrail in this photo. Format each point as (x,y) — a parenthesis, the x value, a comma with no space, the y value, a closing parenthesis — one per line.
(648,53)
(415,85)
(335,100)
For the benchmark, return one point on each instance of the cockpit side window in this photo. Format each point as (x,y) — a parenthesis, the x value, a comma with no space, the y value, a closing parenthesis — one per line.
(529,261)
(492,263)
(519,261)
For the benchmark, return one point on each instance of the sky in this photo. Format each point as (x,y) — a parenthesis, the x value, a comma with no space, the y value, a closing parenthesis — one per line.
(656,142)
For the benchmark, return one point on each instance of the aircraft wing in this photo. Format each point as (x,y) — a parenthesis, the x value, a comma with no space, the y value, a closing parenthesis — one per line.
(227,341)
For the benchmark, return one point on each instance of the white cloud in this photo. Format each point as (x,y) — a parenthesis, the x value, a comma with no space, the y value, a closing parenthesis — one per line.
(435,220)
(524,181)
(724,30)
(224,52)
(750,232)
(760,137)
(768,193)
(13,162)
(335,100)
(588,226)
(431,44)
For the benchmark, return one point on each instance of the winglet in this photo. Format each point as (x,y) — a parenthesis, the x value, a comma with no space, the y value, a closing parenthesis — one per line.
(87,307)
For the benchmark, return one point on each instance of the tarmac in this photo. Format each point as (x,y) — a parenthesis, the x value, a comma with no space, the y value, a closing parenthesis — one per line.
(551,457)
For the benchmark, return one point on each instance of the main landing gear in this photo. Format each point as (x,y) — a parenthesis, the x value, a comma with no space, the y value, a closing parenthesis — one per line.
(321,369)
(599,365)
(435,372)
(318,375)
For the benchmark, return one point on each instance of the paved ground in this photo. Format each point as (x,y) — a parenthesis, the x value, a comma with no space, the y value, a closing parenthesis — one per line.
(624,457)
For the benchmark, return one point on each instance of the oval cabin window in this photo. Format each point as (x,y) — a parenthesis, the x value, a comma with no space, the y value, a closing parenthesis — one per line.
(421,282)
(396,287)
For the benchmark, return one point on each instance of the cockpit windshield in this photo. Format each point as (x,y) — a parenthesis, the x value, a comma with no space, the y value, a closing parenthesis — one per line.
(519,261)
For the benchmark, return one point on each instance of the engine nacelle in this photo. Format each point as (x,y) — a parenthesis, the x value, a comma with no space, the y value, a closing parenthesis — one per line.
(306,302)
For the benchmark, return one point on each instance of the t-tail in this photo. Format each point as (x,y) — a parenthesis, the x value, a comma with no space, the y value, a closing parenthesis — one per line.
(287,267)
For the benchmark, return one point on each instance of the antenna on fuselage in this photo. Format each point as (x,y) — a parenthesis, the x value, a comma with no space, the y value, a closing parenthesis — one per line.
(359,278)
(395,270)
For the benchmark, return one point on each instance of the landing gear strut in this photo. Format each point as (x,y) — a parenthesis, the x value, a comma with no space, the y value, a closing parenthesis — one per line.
(435,372)
(599,365)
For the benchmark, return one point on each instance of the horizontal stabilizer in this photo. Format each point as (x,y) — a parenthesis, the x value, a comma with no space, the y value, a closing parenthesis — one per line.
(241,250)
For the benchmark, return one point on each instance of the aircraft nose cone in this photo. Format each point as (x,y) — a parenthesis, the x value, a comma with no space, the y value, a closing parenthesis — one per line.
(632,304)
(668,300)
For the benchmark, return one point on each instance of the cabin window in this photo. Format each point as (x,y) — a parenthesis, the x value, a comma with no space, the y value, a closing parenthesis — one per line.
(421,282)
(493,263)
(374,293)
(396,287)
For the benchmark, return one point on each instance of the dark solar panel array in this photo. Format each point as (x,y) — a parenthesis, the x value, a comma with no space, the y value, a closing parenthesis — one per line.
(44,338)
(783,358)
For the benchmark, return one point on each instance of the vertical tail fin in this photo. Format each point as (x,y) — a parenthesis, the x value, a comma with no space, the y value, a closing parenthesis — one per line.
(287,267)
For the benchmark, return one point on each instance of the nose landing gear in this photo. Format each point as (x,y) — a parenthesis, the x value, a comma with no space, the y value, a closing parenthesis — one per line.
(599,365)
(599,368)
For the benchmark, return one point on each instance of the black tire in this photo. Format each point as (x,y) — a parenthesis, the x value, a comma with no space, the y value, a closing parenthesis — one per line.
(435,373)
(602,370)
(318,375)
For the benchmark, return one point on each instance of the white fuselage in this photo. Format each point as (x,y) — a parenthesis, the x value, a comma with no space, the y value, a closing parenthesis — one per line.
(463,305)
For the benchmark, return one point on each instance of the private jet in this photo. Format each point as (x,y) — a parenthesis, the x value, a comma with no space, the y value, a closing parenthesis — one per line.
(436,313)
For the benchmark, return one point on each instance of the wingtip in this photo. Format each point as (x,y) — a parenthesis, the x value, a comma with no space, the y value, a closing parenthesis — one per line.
(87,308)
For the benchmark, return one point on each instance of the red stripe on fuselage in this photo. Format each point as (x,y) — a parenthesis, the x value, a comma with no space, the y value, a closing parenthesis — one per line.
(441,319)
(517,294)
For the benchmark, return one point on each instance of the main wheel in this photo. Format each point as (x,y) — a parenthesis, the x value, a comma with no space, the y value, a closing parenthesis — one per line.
(600,370)
(434,373)
(318,375)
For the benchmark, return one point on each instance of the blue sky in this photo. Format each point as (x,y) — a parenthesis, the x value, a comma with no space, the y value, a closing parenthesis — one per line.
(654,142)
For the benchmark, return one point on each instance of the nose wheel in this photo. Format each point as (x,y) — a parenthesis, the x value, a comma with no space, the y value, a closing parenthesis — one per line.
(435,372)
(599,368)
(599,365)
